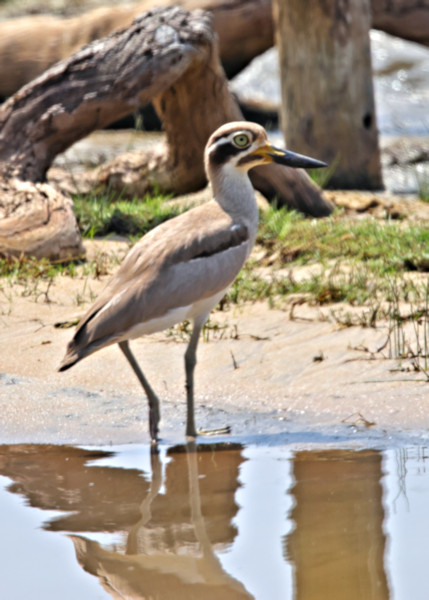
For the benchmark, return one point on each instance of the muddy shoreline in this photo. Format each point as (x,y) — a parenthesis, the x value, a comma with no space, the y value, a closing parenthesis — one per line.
(300,380)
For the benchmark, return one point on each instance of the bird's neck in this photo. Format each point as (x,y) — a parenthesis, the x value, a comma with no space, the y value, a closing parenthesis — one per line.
(234,192)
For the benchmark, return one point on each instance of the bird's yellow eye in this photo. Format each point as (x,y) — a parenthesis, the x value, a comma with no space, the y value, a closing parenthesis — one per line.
(241,140)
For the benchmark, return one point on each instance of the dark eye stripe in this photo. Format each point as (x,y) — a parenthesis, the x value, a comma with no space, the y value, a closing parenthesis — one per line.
(223,152)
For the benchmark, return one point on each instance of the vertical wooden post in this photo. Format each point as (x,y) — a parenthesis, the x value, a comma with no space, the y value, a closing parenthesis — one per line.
(327,93)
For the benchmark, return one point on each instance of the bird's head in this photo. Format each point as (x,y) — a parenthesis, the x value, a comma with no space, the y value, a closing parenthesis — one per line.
(244,145)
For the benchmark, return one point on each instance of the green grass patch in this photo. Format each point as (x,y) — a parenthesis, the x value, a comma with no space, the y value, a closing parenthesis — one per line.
(296,239)
(356,284)
(358,258)
(99,215)
(24,268)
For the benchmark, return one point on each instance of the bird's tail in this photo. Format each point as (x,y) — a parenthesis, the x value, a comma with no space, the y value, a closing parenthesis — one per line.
(79,348)
(71,358)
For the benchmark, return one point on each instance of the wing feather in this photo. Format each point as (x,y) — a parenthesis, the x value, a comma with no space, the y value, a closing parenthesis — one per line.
(188,258)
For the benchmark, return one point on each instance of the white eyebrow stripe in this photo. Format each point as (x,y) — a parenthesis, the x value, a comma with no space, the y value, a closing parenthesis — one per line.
(221,142)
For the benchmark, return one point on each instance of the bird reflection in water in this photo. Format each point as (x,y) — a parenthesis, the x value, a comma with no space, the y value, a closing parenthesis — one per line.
(169,525)
(157,531)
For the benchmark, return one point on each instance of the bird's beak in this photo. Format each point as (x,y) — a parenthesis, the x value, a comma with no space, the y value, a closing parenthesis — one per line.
(288,158)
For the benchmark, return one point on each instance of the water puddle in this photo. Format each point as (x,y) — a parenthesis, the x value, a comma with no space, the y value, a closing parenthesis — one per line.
(214,521)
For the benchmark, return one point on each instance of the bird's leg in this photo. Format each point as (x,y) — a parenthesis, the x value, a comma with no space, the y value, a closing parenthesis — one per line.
(190,362)
(154,411)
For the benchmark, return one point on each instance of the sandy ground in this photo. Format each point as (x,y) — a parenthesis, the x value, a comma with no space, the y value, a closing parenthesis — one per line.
(261,373)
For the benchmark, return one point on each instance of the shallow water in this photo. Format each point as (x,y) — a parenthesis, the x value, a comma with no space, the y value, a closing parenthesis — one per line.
(226,521)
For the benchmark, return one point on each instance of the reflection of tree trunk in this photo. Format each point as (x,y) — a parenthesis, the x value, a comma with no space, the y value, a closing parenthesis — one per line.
(338,544)
(327,97)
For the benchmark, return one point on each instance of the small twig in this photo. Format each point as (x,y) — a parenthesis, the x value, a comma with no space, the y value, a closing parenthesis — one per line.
(234,362)
(361,420)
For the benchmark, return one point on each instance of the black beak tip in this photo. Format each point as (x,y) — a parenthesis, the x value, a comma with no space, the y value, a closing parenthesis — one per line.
(318,164)
(297,161)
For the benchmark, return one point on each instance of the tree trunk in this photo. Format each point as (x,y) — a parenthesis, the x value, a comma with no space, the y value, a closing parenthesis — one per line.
(190,109)
(167,55)
(327,96)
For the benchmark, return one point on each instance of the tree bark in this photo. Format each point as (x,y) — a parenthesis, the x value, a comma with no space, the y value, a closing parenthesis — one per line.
(30,45)
(327,96)
(167,55)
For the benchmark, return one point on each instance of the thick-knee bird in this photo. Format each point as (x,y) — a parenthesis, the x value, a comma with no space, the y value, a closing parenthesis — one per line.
(182,268)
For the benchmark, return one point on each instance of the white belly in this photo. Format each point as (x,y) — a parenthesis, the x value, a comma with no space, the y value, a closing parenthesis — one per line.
(201,308)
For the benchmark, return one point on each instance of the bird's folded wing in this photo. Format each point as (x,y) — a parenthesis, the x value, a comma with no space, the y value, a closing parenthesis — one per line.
(191,257)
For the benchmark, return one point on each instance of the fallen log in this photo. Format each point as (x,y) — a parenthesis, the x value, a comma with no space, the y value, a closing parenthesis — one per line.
(37,220)
(168,56)
(29,45)
(407,19)
(101,82)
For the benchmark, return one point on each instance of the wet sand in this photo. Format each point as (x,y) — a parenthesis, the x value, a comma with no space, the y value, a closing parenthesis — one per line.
(305,379)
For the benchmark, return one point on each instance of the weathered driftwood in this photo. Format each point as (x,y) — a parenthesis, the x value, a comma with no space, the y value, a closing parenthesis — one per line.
(70,100)
(408,19)
(37,220)
(85,92)
(325,110)
(190,109)
(29,45)
(103,81)
(167,55)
